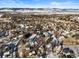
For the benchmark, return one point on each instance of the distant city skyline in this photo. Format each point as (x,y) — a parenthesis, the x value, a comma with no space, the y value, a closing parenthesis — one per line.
(39,4)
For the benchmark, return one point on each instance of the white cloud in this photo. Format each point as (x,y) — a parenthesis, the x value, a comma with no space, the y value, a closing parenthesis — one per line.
(65,4)
(36,0)
(12,3)
(19,3)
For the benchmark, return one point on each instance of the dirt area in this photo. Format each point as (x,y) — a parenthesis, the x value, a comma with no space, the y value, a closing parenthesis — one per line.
(29,35)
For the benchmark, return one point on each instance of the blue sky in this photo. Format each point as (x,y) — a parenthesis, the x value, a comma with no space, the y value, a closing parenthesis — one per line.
(40,3)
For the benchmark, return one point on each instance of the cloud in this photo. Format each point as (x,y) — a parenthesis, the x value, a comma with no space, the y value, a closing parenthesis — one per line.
(36,0)
(21,4)
(13,3)
(67,4)
(53,4)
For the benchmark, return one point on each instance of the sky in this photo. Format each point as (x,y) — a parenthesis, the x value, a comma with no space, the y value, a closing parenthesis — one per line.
(39,3)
